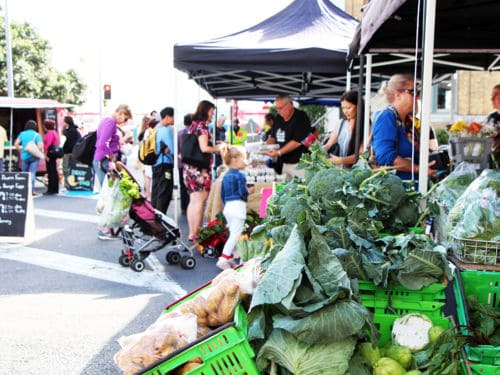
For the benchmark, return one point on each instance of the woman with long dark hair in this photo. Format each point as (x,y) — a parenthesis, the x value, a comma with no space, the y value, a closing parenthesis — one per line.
(198,180)
(343,138)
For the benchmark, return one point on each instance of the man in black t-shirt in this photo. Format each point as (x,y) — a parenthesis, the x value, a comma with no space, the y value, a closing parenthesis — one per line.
(290,128)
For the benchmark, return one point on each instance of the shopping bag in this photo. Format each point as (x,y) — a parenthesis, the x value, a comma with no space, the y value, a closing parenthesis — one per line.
(32,149)
(112,205)
(191,153)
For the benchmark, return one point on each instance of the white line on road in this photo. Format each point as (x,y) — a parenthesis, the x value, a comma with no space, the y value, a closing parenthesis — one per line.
(65,215)
(92,268)
(151,260)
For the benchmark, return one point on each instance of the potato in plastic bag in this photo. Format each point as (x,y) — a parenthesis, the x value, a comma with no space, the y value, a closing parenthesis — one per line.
(166,335)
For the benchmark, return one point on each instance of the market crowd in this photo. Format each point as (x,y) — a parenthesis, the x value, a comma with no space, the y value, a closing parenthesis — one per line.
(394,142)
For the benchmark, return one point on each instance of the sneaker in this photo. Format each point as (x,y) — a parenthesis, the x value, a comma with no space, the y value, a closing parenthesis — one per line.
(225,263)
(106,235)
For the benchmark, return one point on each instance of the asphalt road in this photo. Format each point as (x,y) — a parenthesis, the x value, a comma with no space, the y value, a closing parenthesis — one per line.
(65,300)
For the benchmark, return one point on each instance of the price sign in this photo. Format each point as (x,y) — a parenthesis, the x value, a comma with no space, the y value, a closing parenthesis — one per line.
(14,192)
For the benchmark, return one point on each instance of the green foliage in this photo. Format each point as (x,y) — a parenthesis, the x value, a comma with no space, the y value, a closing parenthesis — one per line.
(34,76)
(442,136)
(314,112)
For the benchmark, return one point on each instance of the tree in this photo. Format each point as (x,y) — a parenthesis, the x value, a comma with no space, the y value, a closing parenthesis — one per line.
(34,77)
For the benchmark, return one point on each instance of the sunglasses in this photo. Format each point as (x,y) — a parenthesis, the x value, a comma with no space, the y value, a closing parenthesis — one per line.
(412,92)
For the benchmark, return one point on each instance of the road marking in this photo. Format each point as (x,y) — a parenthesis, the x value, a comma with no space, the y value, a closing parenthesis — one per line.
(92,268)
(152,261)
(65,215)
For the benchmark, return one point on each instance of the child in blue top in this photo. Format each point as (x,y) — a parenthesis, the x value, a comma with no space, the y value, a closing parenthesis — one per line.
(234,194)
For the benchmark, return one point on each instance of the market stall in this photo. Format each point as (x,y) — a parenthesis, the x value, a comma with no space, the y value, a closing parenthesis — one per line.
(300,50)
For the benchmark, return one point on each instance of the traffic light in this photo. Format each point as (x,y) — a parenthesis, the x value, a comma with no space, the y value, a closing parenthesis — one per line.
(107,92)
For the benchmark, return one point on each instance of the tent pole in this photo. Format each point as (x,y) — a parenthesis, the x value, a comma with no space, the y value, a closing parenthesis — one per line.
(359,107)
(348,81)
(368,95)
(429,21)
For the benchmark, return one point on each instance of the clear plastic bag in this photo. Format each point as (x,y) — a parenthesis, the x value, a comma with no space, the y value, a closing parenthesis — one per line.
(169,333)
(112,205)
(476,214)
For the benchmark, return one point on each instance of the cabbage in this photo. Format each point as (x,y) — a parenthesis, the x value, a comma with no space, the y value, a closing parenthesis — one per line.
(305,359)
(414,372)
(388,366)
(412,331)
(401,354)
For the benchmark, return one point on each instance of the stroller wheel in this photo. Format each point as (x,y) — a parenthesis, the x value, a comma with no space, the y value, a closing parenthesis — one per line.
(124,260)
(137,265)
(188,262)
(173,257)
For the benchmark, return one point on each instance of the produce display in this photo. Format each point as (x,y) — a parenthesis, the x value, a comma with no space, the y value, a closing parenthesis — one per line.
(340,279)
(321,234)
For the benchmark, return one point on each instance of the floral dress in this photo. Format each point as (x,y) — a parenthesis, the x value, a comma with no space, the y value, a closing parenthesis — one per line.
(198,179)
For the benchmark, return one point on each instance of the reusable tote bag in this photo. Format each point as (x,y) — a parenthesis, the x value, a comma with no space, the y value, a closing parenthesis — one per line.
(32,149)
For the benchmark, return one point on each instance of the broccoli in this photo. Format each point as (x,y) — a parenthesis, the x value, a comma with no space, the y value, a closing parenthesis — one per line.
(293,211)
(327,184)
(384,188)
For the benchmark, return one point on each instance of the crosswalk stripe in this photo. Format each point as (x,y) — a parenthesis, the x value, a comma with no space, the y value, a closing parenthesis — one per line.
(92,268)
(65,215)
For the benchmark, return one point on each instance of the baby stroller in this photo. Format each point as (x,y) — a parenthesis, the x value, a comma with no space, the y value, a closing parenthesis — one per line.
(149,230)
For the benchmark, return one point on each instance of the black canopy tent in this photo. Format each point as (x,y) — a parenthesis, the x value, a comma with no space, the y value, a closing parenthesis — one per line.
(300,51)
(466,35)
(447,35)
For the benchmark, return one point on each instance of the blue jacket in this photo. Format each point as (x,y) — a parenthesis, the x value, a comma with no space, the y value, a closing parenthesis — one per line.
(389,140)
(234,186)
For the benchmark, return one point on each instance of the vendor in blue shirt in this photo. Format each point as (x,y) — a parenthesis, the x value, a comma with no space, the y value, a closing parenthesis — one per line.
(390,145)
(163,177)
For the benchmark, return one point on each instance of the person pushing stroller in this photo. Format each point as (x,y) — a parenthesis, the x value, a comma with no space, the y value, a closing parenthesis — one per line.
(234,194)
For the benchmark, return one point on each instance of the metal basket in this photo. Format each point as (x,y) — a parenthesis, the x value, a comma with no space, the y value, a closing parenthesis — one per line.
(477,251)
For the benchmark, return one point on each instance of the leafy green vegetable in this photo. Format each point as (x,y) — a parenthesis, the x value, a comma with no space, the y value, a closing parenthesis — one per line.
(281,279)
(305,359)
(333,323)
(485,320)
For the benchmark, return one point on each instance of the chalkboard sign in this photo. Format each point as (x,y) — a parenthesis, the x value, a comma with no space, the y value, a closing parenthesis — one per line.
(13,203)
(80,176)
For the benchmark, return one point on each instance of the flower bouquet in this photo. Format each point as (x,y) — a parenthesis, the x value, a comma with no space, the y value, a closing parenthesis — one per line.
(471,140)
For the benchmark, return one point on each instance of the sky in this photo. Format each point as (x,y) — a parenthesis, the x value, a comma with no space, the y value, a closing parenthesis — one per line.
(129,44)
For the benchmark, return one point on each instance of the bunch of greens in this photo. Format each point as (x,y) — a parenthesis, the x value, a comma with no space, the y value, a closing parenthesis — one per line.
(128,187)
(485,321)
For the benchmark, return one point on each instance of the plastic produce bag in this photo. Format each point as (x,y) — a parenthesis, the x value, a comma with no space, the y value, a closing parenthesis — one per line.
(169,333)
(112,205)
(476,214)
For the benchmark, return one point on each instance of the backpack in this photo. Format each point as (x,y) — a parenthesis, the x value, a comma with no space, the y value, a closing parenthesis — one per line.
(147,149)
(84,148)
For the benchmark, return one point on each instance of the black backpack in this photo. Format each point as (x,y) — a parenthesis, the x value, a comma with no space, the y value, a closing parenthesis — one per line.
(84,148)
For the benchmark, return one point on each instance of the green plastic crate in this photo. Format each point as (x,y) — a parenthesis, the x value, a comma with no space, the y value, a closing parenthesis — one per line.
(224,351)
(486,286)
(388,304)
(481,369)
(433,292)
